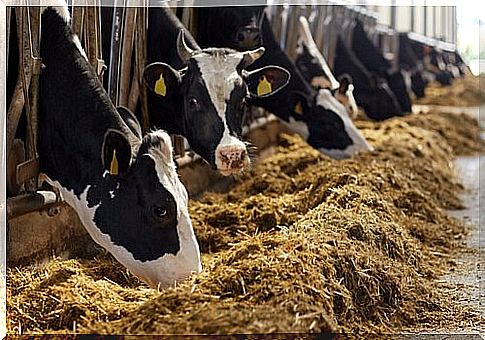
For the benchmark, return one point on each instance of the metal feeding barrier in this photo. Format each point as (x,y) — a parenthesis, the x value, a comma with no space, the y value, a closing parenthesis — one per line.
(128,59)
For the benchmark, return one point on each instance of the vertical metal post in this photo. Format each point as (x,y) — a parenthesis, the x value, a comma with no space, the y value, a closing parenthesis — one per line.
(434,21)
(393,14)
(425,19)
(413,13)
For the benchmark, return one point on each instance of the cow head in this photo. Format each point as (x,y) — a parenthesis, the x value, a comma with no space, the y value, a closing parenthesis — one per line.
(243,25)
(325,124)
(397,84)
(212,89)
(378,100)
(139,210)
(314,68)
(345,95)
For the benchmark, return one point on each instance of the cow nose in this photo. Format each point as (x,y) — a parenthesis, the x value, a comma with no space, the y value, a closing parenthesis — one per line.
(249,36)
(232,157)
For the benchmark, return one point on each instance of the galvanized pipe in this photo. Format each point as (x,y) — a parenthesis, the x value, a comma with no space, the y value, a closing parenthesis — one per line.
(24,204)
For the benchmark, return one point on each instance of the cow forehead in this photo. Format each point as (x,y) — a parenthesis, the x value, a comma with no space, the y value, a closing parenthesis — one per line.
(219,73)
(329,102)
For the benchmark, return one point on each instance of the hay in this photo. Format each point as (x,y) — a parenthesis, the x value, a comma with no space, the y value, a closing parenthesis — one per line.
(462,92)
(301,243)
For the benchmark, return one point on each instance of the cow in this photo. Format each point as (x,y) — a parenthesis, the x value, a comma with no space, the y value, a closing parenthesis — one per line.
(431,72)
(411,66)
(242,27)
(371,93)
(371,57)
(201,94)
(314,68)
(123,186)
(316,115)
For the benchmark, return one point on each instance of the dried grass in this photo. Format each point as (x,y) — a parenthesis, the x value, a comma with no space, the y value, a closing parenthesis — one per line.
(462,92)
(301,243)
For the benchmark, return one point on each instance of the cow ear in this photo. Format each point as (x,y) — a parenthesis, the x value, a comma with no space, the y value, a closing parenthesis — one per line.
(266,81)
(130,119)
(344,82)
(116,153)
(162,79)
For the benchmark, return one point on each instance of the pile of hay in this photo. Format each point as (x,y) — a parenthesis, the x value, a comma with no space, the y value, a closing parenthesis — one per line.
(302,243)
(462,92)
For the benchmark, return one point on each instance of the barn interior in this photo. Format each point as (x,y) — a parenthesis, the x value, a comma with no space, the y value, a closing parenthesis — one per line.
(385,242)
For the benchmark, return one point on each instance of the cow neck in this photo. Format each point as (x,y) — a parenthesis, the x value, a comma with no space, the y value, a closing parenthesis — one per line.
(346,61)
(75,111)
(282,103)
(370,56)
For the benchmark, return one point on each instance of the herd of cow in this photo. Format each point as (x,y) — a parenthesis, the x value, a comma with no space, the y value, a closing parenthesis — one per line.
(124,185)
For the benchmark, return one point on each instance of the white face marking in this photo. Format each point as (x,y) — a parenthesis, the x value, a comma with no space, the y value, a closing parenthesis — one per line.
(60,7)
(76,41)
(220,76)
(168,269)
(327,101)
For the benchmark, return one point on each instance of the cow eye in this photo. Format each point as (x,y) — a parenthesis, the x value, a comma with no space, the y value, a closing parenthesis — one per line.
(159,212)
(193,102)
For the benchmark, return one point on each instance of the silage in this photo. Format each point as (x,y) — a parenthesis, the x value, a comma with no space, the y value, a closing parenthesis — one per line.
(301,243)
(462,92)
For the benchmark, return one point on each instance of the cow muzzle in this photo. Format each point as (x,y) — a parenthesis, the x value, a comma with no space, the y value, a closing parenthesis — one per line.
(231,159)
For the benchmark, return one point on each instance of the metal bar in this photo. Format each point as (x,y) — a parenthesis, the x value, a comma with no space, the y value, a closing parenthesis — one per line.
(142,28)
(24,204)
(127,49)
(113,76)
(425,19)
(32,112)
(90,35)
(25,69)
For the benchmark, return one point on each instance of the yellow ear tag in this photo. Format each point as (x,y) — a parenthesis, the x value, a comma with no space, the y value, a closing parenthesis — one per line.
(160,87)
(298,108)
(264,86)
(113,168)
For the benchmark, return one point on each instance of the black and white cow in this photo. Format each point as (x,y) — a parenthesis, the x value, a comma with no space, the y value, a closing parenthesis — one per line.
(124,188)
(411,66)
(431,72)
(316,115)
(204,90)
(371,93)
(199,94)
(372,58)
(314,68)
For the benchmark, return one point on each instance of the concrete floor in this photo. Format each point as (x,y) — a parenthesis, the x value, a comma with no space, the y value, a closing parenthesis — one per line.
(468,276)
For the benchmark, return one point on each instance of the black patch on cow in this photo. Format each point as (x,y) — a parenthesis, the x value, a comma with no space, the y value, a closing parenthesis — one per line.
(129,217)
(204,127)
(75,114)
(327,130)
